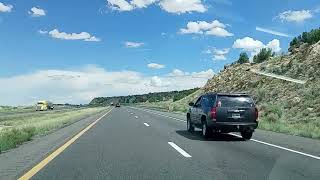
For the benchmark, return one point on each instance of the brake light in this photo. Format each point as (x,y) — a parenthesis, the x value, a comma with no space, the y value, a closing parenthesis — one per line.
(214,113)
(257,114)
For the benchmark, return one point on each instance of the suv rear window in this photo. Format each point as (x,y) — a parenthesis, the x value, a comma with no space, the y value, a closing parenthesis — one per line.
(235,101)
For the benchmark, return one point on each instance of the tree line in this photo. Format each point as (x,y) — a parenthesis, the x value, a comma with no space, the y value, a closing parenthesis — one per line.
(265,54)
(150,97)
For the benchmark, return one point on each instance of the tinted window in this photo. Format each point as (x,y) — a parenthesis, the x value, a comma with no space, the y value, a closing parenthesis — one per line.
(210,101)
(235,101)
(197,104)
(204,101)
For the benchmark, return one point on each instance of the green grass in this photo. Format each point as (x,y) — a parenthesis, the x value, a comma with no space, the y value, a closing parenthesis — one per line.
(22,127)
(177,106)
(298,129)
(10,138)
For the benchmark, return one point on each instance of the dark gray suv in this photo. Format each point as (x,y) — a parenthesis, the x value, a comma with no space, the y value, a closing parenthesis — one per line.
(223,113)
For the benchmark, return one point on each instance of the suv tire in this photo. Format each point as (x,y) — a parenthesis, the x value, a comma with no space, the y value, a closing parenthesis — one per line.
(190,126)
(206,132)
(246,135)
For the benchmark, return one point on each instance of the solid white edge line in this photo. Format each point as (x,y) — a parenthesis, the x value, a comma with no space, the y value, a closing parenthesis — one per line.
(181,151)
(280,147)
(254,140)
(146,124)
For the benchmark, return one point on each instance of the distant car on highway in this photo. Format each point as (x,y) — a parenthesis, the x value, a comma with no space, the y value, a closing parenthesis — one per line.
(44,105)
(118,105)
(223,113)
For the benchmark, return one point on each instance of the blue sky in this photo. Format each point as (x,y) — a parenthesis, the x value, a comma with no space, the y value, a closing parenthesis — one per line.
(186,40)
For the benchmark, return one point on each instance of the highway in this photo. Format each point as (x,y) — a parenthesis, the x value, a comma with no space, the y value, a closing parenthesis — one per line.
(133,143)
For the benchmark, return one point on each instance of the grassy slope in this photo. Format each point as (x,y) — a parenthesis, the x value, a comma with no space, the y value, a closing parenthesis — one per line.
(21,127)
(180,106)
(284,106)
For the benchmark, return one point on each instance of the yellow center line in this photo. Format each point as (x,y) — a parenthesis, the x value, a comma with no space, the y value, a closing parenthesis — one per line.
(53,155)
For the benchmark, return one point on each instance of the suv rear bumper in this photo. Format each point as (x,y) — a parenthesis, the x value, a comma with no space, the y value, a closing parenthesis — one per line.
(232,126)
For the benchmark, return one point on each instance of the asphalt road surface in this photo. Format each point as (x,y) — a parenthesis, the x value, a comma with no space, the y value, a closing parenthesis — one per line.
(132,143)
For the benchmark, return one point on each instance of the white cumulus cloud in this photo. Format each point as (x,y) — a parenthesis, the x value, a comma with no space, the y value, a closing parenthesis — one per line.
(83,84)
(43,31)
(295,16)
(130,44)
(254,46)
(55,33)
(274,45)
(220,54)
(142,3)
(124,5)
(176,73)
(182,6)
(37,12)
(156,66)
(217,54)
(5,7)
(120,5)
(214,28)
(171,6)
(158,82)
(203,74)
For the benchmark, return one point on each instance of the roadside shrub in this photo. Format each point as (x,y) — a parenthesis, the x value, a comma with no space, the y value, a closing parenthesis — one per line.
(12,137)
(272,117)
(260,95)
(306,37)
(264,55)
(271,112)
(277,70)
(243,58)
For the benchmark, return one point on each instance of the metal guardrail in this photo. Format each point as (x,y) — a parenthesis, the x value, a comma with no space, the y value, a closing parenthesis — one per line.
(278,76)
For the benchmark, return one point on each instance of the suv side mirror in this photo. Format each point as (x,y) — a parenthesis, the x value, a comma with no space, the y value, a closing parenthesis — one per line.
(191,104)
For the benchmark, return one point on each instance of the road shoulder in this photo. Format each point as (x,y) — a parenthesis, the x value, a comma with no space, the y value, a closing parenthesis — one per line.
(15,162)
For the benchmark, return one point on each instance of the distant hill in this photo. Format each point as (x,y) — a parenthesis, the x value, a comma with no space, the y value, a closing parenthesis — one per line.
(151,97)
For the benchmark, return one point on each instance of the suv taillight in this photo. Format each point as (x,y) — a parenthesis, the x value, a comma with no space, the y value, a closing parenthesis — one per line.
(214,113)
(257,114)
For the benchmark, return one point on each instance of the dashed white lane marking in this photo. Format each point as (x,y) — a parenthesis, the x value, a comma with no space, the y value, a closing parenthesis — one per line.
(160,114)
(131,113)
(146,124)
(254,140)
(181,151)
(136,117)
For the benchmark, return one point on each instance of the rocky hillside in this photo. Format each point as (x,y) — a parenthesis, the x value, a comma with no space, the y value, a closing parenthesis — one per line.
(298,102)
(284,106)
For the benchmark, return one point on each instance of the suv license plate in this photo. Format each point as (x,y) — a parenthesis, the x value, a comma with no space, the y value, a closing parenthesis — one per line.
(235,115)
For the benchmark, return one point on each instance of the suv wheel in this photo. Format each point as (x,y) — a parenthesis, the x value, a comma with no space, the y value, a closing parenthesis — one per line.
(206,132)
(190,126)
(246,135)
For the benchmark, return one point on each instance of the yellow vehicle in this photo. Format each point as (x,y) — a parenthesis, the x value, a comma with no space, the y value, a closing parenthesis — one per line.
(44,106)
